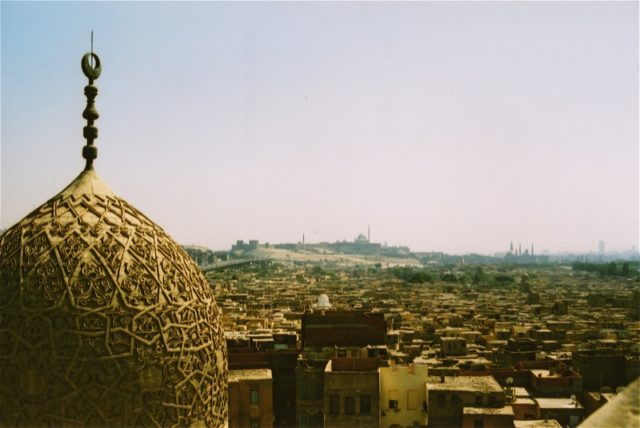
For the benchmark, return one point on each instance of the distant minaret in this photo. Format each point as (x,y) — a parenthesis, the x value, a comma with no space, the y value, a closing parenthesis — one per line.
(519,249)
(601,248)
(303,239)
(511,247)
(532,248)
(369,233)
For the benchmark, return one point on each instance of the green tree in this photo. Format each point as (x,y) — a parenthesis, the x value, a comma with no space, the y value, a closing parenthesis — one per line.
(625,269)
(479,276)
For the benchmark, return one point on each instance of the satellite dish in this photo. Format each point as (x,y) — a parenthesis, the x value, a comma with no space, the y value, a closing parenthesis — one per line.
(509,381)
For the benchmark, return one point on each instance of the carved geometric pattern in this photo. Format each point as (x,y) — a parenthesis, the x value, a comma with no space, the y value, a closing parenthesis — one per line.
(105,320)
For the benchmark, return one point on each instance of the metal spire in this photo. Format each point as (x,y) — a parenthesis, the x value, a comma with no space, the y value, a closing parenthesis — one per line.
(91,68)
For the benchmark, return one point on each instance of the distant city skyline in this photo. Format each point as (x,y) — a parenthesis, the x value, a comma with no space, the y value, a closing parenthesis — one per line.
(445,126)
(517,250)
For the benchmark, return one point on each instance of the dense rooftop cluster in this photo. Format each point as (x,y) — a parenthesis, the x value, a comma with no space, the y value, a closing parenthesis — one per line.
(461,346)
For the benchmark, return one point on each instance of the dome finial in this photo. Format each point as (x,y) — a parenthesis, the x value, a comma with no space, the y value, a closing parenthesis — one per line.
(91,68)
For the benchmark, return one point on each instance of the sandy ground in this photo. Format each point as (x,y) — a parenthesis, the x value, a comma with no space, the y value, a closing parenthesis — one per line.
(315,256)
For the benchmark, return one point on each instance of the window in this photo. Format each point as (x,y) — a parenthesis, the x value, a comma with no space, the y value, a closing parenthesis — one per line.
(442,400)
(492,400)
(479,400)
(342,353)
(393,399)
(319,391)
(478,423)
(305,420)
(304,389)
(334,404)
(349,405)
(255,423)
(365,404)
(254,395)
(456,401)
(412,399)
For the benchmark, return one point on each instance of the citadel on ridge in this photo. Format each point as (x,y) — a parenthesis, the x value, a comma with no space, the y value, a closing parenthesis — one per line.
(106,321)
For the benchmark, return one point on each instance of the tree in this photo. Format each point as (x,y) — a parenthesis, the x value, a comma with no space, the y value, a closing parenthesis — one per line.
(625,269)
(479,276)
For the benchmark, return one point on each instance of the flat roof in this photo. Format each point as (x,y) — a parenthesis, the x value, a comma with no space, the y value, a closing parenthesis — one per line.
(544,373)
(524,400)
(520,391)
(506,410)
(249,374)
(537,423)
(464,383)
(558,403)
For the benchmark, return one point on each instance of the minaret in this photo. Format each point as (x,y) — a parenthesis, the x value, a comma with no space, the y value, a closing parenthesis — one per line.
(519,249)
(369,233)
(532,248)
(511,247)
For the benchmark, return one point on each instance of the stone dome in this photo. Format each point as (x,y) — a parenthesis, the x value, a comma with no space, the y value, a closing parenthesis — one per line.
(105,320)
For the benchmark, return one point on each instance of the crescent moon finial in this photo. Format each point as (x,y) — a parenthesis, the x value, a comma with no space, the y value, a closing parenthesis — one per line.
(91,68)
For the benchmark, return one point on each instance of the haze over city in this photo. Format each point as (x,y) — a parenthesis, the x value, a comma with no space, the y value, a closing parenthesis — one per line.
(455,127)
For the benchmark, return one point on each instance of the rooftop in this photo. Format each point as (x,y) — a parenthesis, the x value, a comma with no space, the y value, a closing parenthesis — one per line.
(544,373)
(537,423)
(464,383)
(519,391)
(524,400)
(558,403)
(253,374)
(506,410)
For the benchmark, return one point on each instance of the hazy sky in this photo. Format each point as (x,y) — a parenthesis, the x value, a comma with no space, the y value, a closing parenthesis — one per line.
(452,127)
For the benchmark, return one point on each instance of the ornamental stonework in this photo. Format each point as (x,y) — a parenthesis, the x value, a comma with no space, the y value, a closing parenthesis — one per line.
(104,320)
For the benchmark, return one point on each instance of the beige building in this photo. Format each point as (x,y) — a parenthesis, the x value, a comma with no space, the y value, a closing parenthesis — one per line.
(250,398)
(403,395)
